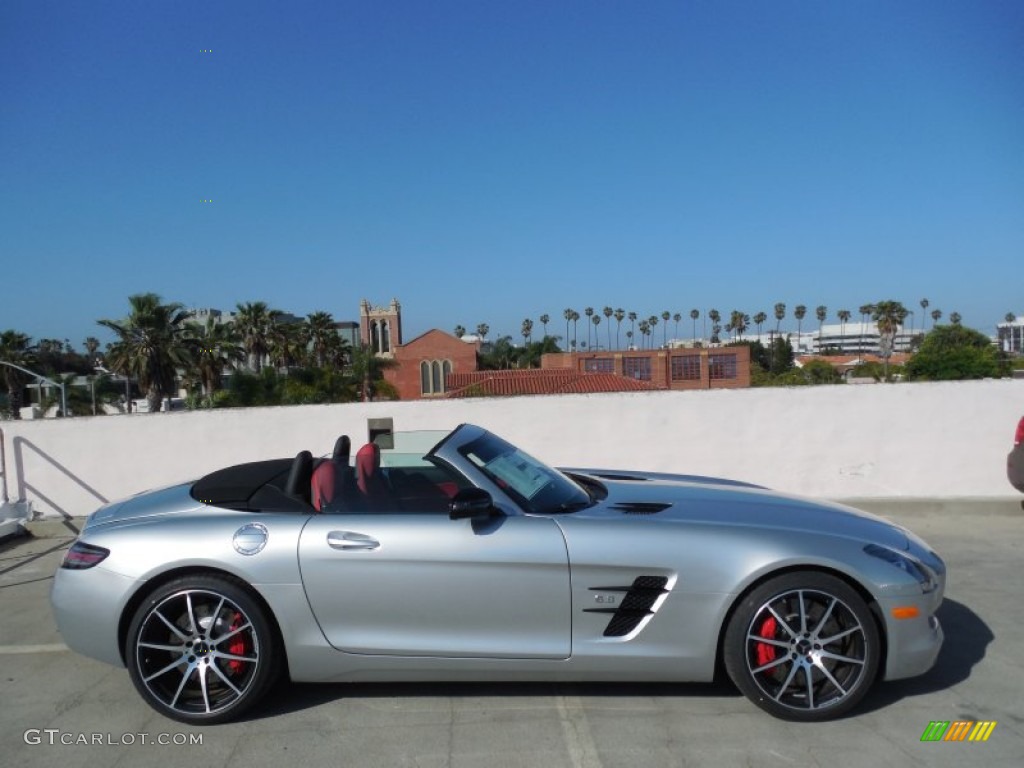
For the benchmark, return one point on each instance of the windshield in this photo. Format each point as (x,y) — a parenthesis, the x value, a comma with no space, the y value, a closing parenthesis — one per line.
(534,486)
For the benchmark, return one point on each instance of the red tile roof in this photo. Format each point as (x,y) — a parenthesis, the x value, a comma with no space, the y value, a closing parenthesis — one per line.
(537,381)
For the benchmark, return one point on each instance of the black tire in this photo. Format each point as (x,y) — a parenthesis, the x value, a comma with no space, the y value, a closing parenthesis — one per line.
(201,650)
(803,646)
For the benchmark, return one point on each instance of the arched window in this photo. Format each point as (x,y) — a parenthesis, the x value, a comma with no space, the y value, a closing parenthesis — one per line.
(446,371)
(435,378)
(385,336)
(424,378)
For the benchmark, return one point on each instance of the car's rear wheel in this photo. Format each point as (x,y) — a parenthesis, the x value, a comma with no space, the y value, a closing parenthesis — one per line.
(803,646)
(201,650)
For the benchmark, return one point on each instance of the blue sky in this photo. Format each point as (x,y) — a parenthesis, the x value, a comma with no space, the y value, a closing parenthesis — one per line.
(487,162)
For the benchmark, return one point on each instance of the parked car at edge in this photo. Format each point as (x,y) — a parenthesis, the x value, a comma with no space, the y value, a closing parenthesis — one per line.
(1015,459)
(463,558)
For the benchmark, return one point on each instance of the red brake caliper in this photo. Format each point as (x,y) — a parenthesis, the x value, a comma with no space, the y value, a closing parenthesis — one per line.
(765,652)
(238,647)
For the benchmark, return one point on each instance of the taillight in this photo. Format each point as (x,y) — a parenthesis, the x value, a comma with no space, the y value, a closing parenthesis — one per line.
(82,556)
(1019,437)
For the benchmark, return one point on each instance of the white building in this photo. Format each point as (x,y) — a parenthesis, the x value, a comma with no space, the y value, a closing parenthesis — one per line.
(1011,335)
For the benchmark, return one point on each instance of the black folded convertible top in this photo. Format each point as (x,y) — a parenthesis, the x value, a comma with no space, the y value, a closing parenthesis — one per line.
(233,487)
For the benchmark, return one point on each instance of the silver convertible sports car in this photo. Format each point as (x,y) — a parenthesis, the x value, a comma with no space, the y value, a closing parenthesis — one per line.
(459,557)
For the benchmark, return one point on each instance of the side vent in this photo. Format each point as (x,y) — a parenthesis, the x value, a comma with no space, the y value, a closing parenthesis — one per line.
(640,507)
(635,606)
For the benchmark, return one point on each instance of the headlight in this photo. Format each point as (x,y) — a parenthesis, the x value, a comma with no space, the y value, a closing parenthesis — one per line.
(913,568)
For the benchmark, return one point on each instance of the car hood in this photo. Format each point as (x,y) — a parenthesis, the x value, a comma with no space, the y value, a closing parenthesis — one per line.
(163,501)
(725,502)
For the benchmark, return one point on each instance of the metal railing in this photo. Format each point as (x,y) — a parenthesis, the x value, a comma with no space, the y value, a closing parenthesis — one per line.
(3,467)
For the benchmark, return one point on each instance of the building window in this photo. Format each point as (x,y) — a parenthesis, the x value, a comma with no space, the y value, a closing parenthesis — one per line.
(434,376)
(637,368)
(686,368)
(722,367)
(599,365)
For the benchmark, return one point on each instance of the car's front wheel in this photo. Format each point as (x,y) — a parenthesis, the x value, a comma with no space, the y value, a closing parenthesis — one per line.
(803,646)
(200,649)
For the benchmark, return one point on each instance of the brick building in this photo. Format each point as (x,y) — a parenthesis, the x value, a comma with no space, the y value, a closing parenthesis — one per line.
(426,362)
(682,368)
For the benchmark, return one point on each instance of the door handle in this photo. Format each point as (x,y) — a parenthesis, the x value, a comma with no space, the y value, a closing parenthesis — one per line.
(350,540)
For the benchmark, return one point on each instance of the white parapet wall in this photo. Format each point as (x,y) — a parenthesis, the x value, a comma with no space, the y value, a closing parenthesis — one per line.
(928,440)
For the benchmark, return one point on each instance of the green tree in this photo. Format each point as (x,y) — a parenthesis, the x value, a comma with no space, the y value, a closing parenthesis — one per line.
(694,315)
(150,346)
(865,311)
(632,316)
(954,318)
(482,329)
(527,330)
(844,317)
(956,352)
(286,344)
(15,348)
(821,312)
(367,371)
(459,331)
(620,314)
(567,313)
(936,316)
(596,320)
(589,312)
(608,312)
(544,320)
(665,317)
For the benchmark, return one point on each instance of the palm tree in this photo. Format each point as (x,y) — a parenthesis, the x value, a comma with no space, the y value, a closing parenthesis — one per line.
(527,330)
(620,314)
(632,322)
(608,312)
(645,331)
(780,313)
(759,320)
(589,312)
(320,331)
(889,315)
(714,316)
(799,313)
(665,316)
(544,321)
(567,314)
(254,321)
(675,319)
(821,312)
(286,344)
(92,346)
(865,310)
(150,346)
(459,331)
(629,338)
(575,320)
(694,315)
(15,348)
(596,320)
(482,329)
(844,318)
(214,347)
(936,314)
(954,318)
(924,311)
(652,321)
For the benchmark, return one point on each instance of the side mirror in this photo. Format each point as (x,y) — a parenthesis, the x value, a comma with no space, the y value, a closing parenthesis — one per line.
(470,503)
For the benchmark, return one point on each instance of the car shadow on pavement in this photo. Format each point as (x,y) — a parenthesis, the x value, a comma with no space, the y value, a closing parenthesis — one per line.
(967,637)
(296,697)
